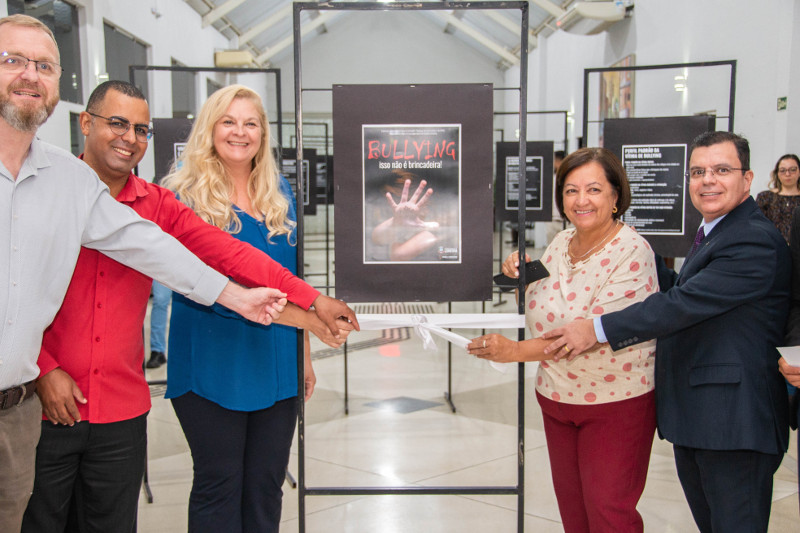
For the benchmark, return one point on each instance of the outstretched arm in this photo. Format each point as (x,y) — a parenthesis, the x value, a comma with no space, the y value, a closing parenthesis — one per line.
(227,254)
(262,304)
(495,347)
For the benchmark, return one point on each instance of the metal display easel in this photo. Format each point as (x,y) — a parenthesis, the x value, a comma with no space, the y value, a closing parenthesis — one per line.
(588,71)
(274,71)
(519,488)
(565,113)
(326,144)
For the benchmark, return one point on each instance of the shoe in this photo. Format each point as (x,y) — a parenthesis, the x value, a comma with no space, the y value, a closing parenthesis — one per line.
(156,360)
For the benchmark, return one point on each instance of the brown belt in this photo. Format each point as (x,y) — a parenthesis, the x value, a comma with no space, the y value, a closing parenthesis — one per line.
(16,395)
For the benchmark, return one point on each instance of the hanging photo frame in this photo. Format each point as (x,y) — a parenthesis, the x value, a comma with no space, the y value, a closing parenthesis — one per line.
(413,216)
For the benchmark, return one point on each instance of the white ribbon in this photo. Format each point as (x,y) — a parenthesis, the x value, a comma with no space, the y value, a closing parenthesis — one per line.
(424,325)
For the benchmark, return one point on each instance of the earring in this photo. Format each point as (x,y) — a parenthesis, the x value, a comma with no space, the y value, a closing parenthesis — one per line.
(615,209)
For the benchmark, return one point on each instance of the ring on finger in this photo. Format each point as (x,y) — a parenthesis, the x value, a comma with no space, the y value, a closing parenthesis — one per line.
(567,349)
(484,343)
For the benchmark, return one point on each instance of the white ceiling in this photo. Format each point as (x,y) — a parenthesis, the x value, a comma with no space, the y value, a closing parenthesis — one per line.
(264,27)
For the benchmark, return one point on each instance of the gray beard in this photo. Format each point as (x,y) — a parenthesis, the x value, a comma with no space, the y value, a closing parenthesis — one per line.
(23,120)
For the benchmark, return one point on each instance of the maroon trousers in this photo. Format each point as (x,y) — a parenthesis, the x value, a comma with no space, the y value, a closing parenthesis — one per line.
(599,456)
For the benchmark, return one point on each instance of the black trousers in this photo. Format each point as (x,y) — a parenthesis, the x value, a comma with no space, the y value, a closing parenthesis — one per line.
(240,460)
(95,469)
(728,491)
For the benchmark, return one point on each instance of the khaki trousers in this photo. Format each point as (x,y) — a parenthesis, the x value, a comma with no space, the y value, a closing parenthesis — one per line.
(20,428)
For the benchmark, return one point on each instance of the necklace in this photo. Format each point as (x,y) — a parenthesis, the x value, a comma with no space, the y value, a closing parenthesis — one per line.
(593,248)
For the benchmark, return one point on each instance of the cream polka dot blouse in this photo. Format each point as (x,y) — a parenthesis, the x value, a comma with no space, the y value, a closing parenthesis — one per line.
(621,273)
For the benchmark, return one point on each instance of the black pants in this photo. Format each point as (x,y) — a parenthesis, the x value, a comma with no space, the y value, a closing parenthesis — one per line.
(95,468)
(240,461)
(728,491)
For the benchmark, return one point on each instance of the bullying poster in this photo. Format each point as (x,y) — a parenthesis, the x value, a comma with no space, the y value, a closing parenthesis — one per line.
(412,193)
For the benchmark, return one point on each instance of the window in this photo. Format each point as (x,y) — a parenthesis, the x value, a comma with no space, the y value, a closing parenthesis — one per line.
(62,19)
(184,101)
(122,51)
(212,87)
(76,138)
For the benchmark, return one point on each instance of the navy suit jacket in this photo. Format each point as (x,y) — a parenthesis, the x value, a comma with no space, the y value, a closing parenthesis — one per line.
(793,325)
(717,324)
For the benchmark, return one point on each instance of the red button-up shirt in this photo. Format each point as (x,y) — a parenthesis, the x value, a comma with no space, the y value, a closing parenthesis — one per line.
(97,338)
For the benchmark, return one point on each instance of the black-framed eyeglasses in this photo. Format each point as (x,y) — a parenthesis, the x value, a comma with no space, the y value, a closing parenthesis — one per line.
(120,126)
(790,170)
(720,172)
(16,63)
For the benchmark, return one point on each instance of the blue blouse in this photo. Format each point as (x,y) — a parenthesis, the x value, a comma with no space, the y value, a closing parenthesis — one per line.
(222,357)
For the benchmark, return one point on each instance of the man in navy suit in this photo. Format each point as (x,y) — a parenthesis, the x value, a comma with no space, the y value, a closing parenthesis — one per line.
(720,398)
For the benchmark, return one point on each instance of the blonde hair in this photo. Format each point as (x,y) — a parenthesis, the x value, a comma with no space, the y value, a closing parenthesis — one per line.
(27,21)
(202,182)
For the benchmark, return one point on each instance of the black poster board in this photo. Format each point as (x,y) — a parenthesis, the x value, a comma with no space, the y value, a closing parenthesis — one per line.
(289,171)
(437,246)
(539,183)
(655,154)
(324,189)
(169,138)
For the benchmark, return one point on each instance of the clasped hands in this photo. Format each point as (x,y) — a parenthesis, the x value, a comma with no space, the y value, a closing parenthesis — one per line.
(265,305)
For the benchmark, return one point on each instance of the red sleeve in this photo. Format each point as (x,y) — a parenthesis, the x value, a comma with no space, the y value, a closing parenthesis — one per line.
(226,254)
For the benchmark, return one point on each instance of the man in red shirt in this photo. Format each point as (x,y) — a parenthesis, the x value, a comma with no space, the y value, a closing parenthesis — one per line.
(93,390)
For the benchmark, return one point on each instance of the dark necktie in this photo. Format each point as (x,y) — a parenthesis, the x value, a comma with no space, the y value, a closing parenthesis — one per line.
(697,240)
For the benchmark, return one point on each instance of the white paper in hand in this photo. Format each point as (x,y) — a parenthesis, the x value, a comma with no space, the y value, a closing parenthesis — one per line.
(791,354)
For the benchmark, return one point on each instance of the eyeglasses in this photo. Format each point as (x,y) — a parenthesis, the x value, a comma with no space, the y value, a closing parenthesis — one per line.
(120,126)
(720,172)
(15,64)
(790,170)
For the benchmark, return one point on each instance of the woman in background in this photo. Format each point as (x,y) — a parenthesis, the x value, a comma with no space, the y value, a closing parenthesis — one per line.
(783,196)
(233,384)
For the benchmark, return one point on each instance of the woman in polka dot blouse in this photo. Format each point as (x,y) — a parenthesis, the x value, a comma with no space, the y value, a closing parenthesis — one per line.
(598,409)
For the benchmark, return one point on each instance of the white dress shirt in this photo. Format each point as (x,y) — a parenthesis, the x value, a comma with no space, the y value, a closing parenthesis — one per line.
(56,205)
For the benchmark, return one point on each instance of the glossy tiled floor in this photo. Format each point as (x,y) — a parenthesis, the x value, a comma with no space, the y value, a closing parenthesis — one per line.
(415,439)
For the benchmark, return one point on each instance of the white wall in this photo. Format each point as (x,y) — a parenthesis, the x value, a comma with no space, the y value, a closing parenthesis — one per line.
(177,33)
(764,38)
(788,121)
(382,47)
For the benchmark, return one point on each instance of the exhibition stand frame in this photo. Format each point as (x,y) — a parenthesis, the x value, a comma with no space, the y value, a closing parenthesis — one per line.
(589,71)
(662,213)
(326,144)
(518,488)
(225,70)
(500,223)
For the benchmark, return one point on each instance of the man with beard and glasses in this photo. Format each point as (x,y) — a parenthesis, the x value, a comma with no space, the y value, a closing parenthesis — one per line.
(50,204)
